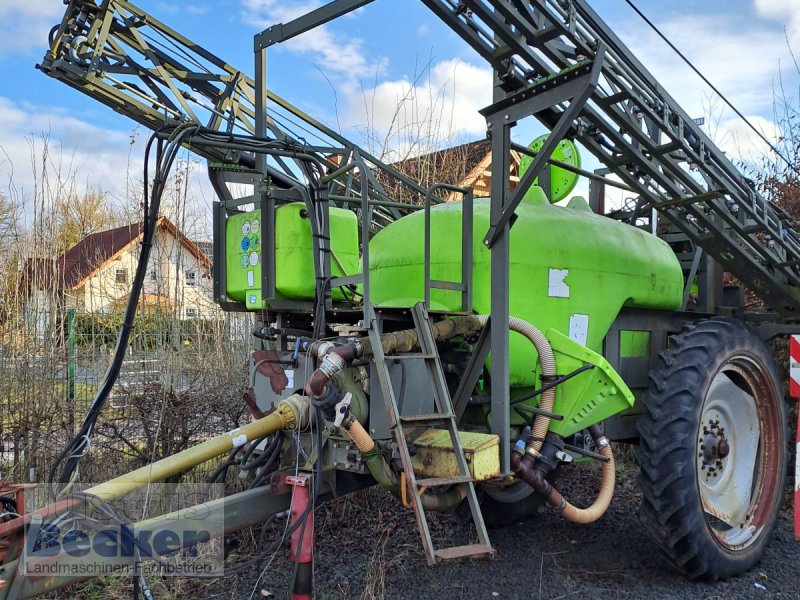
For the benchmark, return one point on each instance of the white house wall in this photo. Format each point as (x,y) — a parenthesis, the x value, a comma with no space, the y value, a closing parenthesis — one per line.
(170,261)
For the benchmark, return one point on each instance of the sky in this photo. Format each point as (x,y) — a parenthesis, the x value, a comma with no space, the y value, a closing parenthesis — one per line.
(352,74)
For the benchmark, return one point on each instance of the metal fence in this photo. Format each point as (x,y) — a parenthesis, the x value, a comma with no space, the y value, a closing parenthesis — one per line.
(181,381)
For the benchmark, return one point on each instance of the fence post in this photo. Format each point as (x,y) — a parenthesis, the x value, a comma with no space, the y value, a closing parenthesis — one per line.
(71,369)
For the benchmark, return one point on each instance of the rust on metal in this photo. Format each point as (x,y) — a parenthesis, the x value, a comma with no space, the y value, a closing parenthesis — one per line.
(269,365)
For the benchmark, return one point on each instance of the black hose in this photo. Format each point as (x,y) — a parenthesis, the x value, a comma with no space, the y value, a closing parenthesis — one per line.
(274,447)
(70,457)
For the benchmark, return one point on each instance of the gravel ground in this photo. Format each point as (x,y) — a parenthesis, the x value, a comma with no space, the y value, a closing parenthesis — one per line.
(368,547)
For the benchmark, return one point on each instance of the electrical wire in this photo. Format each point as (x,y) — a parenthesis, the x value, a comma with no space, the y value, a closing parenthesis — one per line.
(68,461)
(712,86)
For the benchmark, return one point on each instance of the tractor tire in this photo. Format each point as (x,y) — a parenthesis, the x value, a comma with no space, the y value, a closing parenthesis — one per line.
(713,450)
(504,507)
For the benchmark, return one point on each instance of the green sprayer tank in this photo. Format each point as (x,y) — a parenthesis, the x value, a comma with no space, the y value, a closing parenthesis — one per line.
(570,270)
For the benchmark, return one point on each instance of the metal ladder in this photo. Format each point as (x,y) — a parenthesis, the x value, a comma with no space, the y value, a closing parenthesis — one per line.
(442,417)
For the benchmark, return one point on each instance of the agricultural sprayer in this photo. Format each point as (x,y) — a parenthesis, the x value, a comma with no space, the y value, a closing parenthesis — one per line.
(459,351)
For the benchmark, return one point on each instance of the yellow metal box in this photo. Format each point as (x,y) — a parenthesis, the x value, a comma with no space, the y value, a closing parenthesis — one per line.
(435,456)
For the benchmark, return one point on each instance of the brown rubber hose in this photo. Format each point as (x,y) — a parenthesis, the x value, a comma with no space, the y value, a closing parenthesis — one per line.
(603,500)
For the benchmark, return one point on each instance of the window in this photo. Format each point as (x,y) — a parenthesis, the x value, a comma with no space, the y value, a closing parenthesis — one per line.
(121,276)
(191,313)
(191,278)
(153,276)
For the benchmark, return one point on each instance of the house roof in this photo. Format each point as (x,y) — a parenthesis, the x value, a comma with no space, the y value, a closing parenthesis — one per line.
(463,165)
(206,248)
(85,258)
(93,251)
(467,156)
(450,165)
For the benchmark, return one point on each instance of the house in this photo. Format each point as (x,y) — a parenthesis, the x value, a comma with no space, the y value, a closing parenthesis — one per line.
(95,276)
(465,165)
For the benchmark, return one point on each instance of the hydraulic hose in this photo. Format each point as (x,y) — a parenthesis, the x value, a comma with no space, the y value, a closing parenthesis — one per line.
(548,362)
(603,500)
(524,465)
(333,359)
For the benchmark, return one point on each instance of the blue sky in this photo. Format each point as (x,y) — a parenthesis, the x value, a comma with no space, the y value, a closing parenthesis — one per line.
(372,58)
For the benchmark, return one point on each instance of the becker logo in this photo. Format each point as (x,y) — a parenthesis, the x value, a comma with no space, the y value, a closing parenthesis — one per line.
(115,542)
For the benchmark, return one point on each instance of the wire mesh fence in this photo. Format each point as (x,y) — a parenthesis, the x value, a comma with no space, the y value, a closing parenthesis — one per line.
(181,381)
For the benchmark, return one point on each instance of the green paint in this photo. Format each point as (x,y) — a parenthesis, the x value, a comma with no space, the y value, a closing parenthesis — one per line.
(562,182)
(634,344)
(589,397)
(294,265)
(600,264)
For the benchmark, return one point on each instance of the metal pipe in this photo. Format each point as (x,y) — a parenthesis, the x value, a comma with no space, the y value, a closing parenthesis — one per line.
(576,170)
(290,414)
(234,512)
(384,203)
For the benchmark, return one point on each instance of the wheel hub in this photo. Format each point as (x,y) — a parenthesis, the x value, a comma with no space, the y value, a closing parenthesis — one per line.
(714,446)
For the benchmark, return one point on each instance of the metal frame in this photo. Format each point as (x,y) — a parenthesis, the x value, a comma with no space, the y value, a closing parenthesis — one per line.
(633,126)
(465,285)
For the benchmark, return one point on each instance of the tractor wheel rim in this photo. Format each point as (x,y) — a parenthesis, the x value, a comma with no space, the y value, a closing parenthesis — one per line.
(738,453)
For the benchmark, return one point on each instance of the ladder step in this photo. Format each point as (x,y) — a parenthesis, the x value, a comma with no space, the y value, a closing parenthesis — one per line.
(440,481)
(464,551)
(410,356)
(435,418)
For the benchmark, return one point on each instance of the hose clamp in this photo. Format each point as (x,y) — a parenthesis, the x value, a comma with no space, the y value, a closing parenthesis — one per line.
(601,442)
(331,365)
(562,505)
(323,348)
(533,453)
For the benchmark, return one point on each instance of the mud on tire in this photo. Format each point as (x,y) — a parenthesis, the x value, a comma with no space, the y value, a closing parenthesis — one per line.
(713,449)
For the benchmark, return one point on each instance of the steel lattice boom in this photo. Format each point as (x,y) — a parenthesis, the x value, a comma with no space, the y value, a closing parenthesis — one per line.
(634,127)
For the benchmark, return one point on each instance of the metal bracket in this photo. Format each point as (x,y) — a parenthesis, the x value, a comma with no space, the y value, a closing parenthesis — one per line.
(286,31)
(579,90)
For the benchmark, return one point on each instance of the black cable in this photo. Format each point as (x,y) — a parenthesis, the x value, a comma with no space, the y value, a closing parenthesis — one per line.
(711,85)
(316,475)
(273,448)
(69,458)
(558,380)
(221,472)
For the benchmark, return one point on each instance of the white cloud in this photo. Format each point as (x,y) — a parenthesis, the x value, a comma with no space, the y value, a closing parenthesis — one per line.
(24,25)
(741,143)
(742,62)
(336,54)
(81,148)
(405,114)
(80,156)
(786,12)
(269,12)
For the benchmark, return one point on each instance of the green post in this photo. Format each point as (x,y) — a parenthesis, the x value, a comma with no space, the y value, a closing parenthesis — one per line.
(71,345)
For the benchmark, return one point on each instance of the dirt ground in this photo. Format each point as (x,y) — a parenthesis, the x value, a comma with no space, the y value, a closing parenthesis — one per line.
(368,547)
